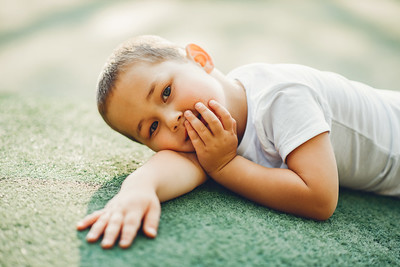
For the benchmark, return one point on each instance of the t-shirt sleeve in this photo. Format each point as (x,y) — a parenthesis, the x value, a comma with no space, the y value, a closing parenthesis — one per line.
(294,114)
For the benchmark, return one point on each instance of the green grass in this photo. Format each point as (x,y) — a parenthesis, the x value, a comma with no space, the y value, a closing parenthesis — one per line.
(59,161)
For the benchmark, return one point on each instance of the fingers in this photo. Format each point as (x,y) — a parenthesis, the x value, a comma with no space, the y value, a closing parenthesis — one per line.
(194,137)
(215,120)
(118,223)
(225,117)
(98,227)
(131,226)
(89,220)
(211,119)
(201,129)
(152,219)
(112,230)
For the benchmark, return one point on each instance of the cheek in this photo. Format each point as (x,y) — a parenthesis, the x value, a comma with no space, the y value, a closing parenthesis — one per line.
(200,92)
(196,88)
(165,141)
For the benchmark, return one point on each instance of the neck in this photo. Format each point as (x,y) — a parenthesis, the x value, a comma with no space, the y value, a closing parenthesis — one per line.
(236,101)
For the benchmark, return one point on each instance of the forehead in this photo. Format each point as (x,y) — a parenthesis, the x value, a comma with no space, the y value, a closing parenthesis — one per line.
(137,73)
(141,74)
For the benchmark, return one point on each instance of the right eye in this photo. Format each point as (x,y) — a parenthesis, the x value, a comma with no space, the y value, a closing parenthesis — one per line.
(153,127)
(166,92)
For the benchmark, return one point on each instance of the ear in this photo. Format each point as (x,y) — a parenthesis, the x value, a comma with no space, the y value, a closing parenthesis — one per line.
(199,55)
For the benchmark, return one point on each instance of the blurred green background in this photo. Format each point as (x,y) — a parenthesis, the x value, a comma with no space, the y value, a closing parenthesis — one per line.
(58,47)
(59,161)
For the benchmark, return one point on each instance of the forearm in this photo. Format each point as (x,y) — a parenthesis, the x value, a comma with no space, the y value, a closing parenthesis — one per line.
(169,173)
(280,189)
(309,187)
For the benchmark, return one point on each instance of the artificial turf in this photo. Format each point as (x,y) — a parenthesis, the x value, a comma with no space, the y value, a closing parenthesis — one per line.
(59,161)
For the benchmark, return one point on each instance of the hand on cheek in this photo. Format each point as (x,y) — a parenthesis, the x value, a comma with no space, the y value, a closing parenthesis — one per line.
(216,143)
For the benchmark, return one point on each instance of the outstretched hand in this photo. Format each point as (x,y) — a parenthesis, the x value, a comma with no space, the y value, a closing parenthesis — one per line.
(122,216)
(215,140)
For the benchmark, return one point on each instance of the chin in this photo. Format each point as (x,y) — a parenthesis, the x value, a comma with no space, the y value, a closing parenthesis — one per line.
(186,148)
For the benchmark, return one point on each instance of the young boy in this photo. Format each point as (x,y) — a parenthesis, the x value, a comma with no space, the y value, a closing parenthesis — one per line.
(284,136)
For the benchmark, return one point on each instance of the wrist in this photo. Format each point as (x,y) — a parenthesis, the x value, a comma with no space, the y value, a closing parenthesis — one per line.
(223,170)
(136,180)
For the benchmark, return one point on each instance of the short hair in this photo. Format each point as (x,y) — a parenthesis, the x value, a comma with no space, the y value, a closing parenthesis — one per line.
(145,48)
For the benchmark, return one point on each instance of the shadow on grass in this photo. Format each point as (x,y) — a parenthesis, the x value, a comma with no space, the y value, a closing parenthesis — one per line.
(91,254)
(179,230)
(140,253)
(212,226)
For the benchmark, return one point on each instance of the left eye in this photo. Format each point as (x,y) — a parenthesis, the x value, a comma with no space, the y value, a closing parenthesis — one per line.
(166,93)
(153,128)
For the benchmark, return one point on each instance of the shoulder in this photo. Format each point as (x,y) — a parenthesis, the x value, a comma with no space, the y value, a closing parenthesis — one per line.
(248,72)
(263,74)
(247,68)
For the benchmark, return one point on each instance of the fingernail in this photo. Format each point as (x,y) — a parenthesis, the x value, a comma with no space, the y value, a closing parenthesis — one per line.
(187,113)
(124,243)
(152,231)
(106,242)
(198,105)
(90,236)
(212,102)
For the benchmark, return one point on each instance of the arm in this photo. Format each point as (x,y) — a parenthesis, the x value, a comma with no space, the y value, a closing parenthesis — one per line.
(170,173)
(166,175)
(309,188)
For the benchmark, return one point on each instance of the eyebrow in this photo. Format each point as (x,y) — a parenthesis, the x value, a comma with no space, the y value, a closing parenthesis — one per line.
(151,91)
(139,128)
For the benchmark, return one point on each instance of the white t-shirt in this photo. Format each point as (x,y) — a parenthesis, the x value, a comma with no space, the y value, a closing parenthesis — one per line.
(290,104)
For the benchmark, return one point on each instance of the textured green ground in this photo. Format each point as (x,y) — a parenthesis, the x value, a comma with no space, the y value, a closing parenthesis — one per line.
(59,161)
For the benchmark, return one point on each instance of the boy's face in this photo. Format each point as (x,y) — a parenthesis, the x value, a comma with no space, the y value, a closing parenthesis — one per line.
(149,100)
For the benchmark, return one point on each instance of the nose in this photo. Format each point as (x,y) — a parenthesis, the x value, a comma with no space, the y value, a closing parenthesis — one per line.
(174,120)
